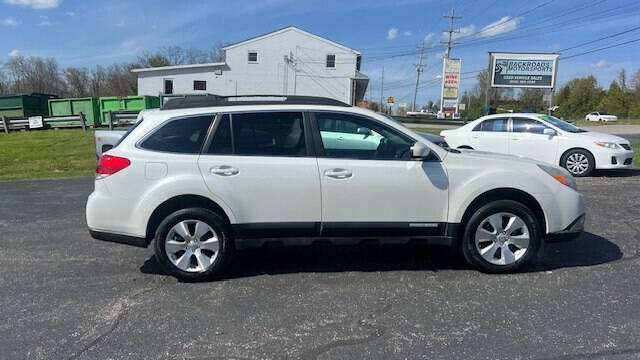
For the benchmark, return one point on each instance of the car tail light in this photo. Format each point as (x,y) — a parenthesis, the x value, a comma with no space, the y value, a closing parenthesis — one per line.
(110,165)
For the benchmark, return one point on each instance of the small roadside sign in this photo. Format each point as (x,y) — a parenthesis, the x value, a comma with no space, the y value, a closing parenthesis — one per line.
(402,105)
(35,122)
(390,100)
(462,106)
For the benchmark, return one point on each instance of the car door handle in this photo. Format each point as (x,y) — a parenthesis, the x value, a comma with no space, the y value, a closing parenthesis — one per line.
(338,173)
(516,139)
(224,170)
(474,137)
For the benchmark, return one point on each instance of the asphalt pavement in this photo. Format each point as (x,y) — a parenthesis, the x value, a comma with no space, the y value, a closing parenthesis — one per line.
(67,296)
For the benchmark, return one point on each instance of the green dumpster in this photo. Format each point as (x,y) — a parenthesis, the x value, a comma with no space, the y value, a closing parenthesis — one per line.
(126,104)
(74,106)
(24,105)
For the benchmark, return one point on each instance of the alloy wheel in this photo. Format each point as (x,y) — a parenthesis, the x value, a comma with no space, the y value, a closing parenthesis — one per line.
(577,163)
(192,245)
(502,238)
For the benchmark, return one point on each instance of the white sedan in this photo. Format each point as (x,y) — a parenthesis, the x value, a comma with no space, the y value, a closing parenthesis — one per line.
(544,138)
(602,116)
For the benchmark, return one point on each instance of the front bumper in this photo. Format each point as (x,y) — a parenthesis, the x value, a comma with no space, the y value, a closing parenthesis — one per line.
(572,231)
(614,159)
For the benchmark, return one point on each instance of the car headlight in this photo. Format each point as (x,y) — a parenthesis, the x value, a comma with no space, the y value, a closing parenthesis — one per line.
(608,145)
(561,175)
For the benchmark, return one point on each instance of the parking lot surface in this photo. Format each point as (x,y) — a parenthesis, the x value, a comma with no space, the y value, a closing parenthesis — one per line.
(67,296)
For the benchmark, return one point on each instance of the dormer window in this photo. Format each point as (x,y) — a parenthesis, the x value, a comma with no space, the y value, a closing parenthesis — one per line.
(253,56)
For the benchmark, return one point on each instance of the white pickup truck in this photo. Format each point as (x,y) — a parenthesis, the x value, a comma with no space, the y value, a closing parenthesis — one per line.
(106,139)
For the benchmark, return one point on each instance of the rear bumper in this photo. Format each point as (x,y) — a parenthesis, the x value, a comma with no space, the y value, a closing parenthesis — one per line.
(572,231)
(119,238)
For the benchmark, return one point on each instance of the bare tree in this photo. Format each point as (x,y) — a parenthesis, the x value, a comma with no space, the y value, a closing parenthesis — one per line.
(148,59)
(175,55)
(98,83)
(217,54)
(77,81)
(196,56)
(34,74)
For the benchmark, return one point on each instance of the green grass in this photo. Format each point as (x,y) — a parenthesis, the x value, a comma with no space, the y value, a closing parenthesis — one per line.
(635,144)
(46,154)
(583,122)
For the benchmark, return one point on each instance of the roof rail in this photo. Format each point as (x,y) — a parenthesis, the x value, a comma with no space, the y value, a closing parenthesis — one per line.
(238,100)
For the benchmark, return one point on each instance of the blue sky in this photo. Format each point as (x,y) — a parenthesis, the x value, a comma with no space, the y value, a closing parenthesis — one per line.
(86,33)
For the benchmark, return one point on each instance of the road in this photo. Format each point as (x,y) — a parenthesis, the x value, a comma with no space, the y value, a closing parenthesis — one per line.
(66,296)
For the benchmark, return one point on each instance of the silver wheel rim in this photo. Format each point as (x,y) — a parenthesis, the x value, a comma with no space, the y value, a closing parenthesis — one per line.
(577,163)
(192,245)
(502,238)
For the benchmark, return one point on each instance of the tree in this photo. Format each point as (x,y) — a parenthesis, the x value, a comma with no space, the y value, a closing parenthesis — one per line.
(77,81)
(578,97)
(34,74)
(148,59)
(614,101)
(530,98)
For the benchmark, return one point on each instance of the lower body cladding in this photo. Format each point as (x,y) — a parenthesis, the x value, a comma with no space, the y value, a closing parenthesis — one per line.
(344,233)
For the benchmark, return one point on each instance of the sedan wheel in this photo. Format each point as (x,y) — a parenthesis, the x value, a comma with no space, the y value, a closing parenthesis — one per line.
(578,162)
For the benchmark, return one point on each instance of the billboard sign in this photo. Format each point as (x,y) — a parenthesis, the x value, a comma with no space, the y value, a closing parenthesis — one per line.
(450,104)
(523,70)
(451,78)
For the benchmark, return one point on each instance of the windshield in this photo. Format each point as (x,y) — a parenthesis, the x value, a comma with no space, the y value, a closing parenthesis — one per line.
(563,125)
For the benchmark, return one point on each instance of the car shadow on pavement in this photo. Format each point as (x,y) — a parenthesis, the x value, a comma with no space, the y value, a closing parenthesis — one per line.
(616,173)
(588,250)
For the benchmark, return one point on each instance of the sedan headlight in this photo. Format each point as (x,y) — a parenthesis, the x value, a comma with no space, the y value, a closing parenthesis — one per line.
(608,145)
(561,175)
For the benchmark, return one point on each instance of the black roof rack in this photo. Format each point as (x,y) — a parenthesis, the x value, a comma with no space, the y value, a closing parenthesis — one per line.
(236,100)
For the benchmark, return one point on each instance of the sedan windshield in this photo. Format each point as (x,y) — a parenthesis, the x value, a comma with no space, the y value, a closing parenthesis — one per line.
(563,125)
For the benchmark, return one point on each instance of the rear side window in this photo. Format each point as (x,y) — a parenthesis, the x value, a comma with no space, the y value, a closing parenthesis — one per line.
(268,134)
(124,136)
(493,125)
(185,135)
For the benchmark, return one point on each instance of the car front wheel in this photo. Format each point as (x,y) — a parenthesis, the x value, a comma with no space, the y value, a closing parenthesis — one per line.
(501,236)
(578,162)
(193,244)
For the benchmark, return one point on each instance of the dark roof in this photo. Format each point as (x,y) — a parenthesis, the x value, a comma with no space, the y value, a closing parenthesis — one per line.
(216,100)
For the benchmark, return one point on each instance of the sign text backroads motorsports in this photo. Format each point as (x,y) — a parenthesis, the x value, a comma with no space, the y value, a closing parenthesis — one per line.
(523,70)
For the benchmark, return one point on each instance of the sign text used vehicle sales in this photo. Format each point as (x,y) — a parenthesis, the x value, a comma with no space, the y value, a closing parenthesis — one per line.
(523,70)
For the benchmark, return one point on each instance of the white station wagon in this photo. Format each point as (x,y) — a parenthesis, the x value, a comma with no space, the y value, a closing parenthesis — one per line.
(543,138)
(206,176)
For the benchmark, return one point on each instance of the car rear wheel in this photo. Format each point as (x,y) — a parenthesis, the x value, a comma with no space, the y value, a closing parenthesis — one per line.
(501,236)
(193,244)
(578,162)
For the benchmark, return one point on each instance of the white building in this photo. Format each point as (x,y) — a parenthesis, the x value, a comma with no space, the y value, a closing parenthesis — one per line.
(288,61)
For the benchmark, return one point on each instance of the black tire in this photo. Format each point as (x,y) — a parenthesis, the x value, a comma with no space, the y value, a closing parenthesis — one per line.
(578,152)
(218,225)
(472,253)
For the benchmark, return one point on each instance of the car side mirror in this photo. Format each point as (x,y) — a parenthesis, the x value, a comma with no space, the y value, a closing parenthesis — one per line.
(550,132)
(363,131)
(420,151)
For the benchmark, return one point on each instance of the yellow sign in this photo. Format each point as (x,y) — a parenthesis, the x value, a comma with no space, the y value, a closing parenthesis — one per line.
(390,100)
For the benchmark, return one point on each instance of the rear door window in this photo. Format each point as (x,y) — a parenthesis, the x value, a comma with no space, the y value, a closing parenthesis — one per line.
(184,135)
(268,134)
(492,125)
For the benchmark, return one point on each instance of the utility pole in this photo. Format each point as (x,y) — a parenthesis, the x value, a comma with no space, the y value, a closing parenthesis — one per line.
(451,18)
(419,70)
(382,93)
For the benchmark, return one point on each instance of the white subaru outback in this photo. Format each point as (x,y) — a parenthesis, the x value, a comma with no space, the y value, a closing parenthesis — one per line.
(206,176)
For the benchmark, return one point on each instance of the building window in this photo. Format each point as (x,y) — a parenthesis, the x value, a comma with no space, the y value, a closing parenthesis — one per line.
(253,56)
(199,85)
(331,61)
(168,86)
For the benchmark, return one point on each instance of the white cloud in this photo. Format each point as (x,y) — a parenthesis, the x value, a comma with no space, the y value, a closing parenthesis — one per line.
(45,23)
(70,13)
(120,24)
(462,32)
(35,4)
(602,64)
(392,33)
(428,37)
(128,43)
(504,25)
(407,33)
(9,22)
(14,53)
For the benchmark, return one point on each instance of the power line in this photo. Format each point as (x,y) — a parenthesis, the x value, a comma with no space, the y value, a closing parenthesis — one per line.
(418,70)
(451,18)
(600,39)
(599,49)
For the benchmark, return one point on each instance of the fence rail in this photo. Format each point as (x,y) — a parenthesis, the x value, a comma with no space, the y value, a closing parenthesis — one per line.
(116,119)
